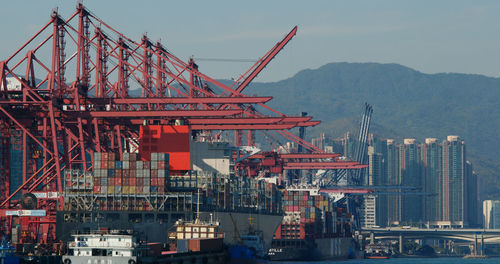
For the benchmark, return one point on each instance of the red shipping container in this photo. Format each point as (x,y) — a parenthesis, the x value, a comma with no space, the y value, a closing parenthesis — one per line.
(118,181)
(205,244)
(118,173)
(104,164)
(140,182)
(173,140)
(161,189)
(125,173)
(161,165)
(154,173)
(97,189)
(104,156)
(154,181)
(146,165)
(132,173)
(161,181)
(132,181)
(132,165)
(125,181)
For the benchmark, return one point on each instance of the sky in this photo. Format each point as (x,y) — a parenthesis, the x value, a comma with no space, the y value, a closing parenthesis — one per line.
(428,36)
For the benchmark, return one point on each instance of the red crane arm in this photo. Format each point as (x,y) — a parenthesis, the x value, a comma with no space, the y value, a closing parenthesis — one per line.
(262,63)
(308,155)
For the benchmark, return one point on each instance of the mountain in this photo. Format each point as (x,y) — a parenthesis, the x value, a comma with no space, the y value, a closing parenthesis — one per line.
(406,103)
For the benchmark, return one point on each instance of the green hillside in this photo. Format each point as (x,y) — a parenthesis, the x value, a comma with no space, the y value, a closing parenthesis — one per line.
(406,103)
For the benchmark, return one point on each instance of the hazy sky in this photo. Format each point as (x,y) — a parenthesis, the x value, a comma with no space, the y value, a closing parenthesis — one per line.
(429,36)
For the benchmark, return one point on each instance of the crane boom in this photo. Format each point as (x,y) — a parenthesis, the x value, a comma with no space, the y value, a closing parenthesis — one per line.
(262,63)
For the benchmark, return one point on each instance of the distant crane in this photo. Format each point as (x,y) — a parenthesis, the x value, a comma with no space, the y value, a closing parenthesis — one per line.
(356,176)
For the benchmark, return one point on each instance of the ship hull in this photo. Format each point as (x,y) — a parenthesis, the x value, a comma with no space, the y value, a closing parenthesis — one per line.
(154,226)
(317,249)
(177,258)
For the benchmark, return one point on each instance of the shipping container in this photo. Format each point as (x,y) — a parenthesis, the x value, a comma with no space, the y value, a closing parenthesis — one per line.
(205,244)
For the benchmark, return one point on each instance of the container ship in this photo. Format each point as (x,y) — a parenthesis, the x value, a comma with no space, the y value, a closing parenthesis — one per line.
(148,193)
(312,228)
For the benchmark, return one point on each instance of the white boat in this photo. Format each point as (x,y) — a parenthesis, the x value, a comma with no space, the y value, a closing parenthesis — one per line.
(104,247)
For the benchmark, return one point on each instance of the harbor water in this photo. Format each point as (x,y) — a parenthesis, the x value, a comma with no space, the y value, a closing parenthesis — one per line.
(404,261)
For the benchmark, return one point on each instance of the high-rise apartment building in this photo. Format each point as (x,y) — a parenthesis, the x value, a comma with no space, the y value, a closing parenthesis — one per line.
(410,170)
(374,209)
(392,177)
(472,197)
(454,182)
(432,176)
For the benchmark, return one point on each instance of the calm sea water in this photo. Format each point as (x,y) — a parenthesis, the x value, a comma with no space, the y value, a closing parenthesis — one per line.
(406,261)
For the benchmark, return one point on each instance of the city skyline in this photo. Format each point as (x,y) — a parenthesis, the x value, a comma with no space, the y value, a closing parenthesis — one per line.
(438,169)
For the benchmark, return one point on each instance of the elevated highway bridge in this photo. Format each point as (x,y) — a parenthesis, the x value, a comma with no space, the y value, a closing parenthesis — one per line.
(473,236)
(489,236)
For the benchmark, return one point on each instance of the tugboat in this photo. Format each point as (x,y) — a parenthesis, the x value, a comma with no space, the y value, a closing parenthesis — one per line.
(250,248)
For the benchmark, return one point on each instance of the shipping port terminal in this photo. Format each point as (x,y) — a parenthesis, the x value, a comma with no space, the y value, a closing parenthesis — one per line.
(112,134)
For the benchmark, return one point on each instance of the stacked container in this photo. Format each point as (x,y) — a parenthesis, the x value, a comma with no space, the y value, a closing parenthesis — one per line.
(235,193)
(130,175)
(309,213)
(129,183)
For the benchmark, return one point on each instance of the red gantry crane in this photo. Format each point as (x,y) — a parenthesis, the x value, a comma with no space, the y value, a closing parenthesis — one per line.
(66,93)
